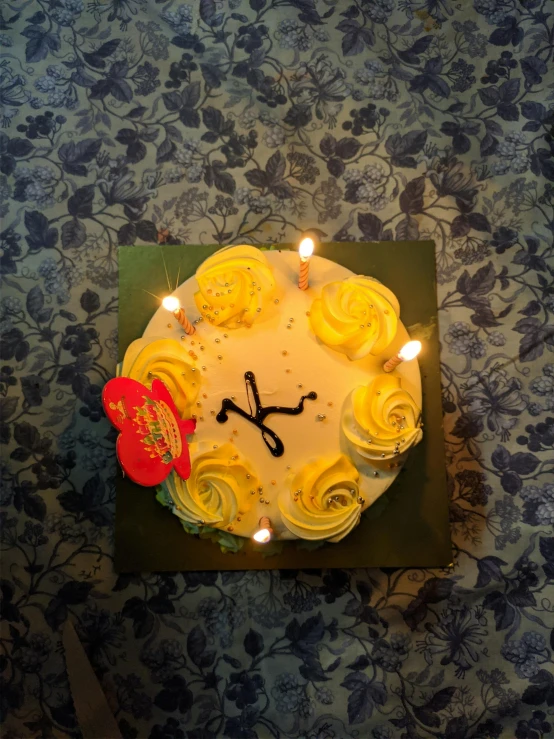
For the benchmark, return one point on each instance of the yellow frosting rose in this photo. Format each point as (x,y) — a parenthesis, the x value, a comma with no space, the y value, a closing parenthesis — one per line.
(235,285)
(164,359)
(383,419)
(358,316)
(323,500)
(218,488)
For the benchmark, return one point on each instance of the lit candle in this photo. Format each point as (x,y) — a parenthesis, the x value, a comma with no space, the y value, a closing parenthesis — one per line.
(305,250)
(265,532)
(408,351)
(171,303)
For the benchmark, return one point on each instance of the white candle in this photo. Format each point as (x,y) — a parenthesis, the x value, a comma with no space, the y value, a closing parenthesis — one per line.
(305,251)
(408,351)
(265,532)
(171,303)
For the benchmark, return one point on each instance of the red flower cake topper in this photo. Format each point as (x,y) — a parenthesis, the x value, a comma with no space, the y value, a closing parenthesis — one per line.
(152,437)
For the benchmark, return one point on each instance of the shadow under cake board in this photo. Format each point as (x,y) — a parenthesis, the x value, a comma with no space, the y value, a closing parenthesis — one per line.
(411,531)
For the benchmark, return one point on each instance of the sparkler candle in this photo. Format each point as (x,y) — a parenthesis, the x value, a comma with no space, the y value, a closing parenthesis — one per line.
(171,303)
(265,532)
(305,250)
(408,351)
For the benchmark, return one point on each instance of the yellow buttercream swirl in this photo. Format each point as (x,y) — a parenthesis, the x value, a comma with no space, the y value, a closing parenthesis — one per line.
(322,502)
(217,489)
(358,316)
(383,420)
(166,360)
(235,285)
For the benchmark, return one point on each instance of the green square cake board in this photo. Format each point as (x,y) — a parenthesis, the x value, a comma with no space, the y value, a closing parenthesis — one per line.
(408,527)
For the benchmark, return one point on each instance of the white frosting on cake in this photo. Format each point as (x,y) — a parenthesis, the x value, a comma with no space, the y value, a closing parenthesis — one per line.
(288,361)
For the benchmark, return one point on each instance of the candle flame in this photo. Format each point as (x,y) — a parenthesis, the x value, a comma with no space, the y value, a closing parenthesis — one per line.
(306,248)
(410,350)
(262,536)
(171,303)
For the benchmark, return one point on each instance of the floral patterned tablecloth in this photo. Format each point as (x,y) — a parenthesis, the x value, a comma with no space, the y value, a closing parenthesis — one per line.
(128,121)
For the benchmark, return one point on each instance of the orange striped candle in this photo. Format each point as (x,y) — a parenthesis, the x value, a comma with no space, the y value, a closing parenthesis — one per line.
(408,351)
(171,303)
(305,250)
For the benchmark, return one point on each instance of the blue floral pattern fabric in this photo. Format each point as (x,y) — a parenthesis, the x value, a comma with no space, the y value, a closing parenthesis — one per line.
(161,121)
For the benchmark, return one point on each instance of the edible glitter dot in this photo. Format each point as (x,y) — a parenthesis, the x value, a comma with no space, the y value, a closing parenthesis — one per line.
(259,288)
(308,313)
(203,366)
(284,352)
(225,336)
(258,310)
(288,325)
(219,356)
(260,488)
(204,307)
(369,325)
(229,528)
(194,415)
(235,431)
(375,474)
(169,325)
(212,413)
(201,418)
(217,295)
(321,416)
(383,454)
(276,301)
(361,501)
(239,518)
(193,369)
(252,492)
(362,325)
(232,397)
(216,312)
(262,500)
(291,320)
(274,482)
(201,348)
(287,370)
(330,404)
(267,502)
(251,292)
(198,403)
(299,385)
(215,446)
(217,341)
(254,284)
(378,392)
(329,501)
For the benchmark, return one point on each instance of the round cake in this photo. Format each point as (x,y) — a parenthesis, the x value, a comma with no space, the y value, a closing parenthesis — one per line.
(296,421)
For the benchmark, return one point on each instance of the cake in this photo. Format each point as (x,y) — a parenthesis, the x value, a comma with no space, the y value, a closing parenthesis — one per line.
(297,424)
